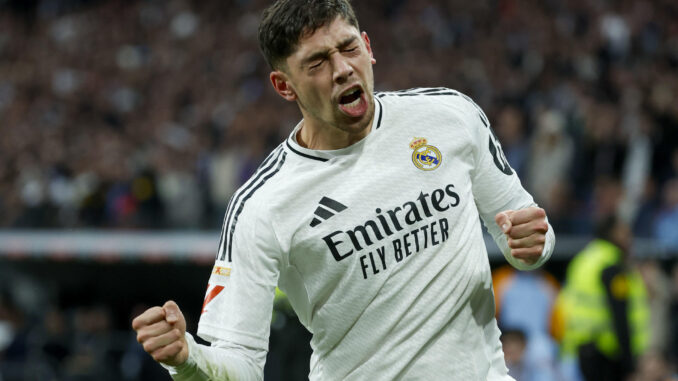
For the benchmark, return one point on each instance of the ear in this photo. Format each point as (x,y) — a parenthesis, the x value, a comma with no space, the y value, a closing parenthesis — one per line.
(282,86)
(369,48)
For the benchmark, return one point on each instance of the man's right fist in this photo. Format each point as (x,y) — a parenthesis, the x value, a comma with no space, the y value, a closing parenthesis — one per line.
(160,330)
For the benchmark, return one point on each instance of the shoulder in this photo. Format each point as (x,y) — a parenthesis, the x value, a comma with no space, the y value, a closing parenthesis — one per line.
(419,95)
(247,216)
(260,189)
(443,101)
(442,95)
(419,92)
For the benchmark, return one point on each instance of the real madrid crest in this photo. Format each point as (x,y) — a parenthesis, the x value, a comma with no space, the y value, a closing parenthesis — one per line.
(425,157)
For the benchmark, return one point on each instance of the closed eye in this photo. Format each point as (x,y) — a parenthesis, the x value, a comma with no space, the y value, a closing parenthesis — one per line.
(316,65)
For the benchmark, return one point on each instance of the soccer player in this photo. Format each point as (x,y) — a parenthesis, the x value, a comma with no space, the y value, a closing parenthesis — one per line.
(368,217)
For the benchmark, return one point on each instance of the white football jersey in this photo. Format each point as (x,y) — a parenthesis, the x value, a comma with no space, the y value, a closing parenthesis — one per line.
(378,246)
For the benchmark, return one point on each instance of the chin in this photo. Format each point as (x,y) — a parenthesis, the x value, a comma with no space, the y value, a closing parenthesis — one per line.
(356,126)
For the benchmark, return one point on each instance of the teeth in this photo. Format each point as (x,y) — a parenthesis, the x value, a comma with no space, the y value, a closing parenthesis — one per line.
(353,104)
(351,92)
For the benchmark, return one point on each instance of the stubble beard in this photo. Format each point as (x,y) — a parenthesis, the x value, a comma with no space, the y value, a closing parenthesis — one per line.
(360,125)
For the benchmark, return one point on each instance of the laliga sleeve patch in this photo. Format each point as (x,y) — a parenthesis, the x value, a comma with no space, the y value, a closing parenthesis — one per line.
(221,271)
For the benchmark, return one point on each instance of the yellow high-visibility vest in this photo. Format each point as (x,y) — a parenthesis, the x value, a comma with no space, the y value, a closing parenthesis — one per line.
(584,309)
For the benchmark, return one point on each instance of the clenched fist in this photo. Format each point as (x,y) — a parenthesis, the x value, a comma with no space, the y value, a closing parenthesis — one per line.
(525,230)
(160,330)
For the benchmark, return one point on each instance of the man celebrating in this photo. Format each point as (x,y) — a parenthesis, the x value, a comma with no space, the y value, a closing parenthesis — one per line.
(367,217)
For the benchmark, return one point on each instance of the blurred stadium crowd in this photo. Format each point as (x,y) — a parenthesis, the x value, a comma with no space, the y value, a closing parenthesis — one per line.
(148,114)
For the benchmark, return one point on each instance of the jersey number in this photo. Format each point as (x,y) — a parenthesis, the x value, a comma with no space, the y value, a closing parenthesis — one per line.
(498,156)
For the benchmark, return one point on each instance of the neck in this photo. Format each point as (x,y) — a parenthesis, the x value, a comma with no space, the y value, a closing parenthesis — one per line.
(329,138)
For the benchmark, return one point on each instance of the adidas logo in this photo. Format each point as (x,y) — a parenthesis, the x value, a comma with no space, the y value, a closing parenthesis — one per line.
(324,210)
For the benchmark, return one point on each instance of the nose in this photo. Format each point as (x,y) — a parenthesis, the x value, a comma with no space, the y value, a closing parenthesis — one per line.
(342,68)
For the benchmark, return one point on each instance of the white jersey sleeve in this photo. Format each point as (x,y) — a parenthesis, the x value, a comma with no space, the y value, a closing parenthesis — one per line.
(496,186)
(237,309)
(221,361)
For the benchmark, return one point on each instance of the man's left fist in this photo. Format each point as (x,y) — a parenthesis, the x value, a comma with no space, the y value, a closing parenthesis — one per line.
(525,230)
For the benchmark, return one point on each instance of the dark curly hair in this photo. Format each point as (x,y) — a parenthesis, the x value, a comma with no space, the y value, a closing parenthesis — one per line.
(285,22)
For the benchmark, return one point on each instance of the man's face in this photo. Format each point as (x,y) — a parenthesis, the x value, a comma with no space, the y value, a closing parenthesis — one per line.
(330,76)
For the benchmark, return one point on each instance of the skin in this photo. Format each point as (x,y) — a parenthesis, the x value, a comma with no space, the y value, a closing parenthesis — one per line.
(525,230)
(333,59)
(160,330)
(328,62)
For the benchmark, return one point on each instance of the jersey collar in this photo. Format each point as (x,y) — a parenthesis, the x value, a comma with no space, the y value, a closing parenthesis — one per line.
(326,155)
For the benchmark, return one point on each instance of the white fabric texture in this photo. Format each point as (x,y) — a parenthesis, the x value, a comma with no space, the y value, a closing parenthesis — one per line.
(383,261)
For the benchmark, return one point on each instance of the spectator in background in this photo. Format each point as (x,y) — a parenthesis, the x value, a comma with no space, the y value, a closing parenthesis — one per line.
(666,228)
(510,129)
(653,367)
(551,155)
(647,209)
(14,344)
(655,364)
(524,307)
(54,339)
(81,105)
(91,352)
(602,149)
(659,300)
(514,342)
(605,307)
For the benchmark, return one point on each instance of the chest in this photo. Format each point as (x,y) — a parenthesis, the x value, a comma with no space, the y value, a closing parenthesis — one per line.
(359,217)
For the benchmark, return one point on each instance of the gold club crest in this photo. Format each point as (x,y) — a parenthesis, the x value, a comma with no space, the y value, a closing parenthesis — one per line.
(425,157)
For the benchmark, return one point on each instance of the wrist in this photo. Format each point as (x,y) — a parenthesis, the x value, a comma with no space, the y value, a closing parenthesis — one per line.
(184,361)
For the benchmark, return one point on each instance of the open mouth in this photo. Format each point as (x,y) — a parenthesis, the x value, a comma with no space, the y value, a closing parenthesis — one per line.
(353,103)
(352,98)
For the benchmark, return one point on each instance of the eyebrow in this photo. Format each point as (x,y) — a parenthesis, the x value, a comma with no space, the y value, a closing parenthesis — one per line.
(324,53)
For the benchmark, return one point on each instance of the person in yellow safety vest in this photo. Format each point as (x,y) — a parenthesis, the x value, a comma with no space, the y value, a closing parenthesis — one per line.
(603,309)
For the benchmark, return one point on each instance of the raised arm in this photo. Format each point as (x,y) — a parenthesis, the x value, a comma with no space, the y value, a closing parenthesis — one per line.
(518,226)
(162,333)
(237,308)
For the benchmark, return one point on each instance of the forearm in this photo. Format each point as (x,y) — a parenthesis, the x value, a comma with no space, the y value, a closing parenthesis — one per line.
(229,363)
(496,188)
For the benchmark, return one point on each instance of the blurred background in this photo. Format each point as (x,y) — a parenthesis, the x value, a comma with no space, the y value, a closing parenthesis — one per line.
(125,126)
